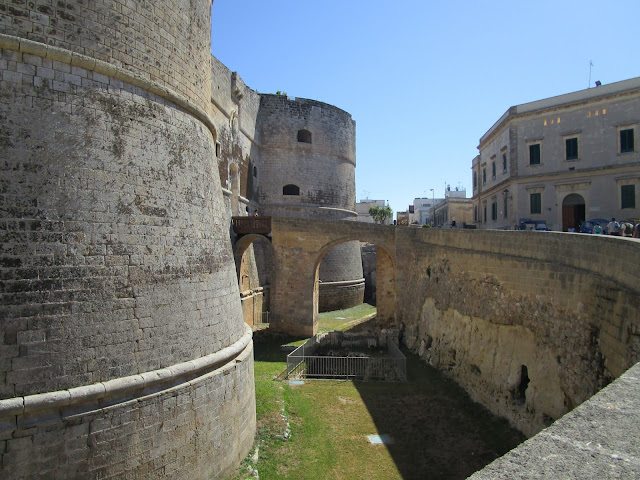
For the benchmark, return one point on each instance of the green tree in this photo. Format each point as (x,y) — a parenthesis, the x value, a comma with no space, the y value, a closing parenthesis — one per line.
(380,214)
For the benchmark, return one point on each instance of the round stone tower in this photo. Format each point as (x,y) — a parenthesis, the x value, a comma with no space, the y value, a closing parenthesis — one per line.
(122,345)
(308,164)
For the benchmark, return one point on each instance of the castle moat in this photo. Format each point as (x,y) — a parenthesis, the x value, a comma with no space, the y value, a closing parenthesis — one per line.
(319,429)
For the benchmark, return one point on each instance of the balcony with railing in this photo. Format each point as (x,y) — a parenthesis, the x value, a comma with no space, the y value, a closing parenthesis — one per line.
(246,225)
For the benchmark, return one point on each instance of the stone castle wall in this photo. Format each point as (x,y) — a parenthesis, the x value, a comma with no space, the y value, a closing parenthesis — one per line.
(483,305)
(324,171)
(123,331)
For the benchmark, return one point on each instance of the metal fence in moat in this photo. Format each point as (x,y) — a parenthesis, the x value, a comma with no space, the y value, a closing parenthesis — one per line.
(302,363)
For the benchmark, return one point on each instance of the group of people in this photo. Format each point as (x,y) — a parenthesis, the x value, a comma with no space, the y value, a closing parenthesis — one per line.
(624,229)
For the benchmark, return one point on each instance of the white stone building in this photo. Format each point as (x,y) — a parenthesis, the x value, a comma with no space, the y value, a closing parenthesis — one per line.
(562,159)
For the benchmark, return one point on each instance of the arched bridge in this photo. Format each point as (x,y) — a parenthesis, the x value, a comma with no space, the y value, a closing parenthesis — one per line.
(299,246)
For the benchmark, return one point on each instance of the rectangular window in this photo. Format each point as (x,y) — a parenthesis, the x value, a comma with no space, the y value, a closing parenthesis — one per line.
(505,207)
(628,196)
(571,148)
(475,180)
(494,210)
(484,176)
(475,213)
(535,200)
(504,163)
(485,213)
(534,154)
(626,140)
(493,170)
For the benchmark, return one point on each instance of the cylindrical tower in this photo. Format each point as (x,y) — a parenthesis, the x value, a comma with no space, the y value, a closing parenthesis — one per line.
(122,345)
(308,164)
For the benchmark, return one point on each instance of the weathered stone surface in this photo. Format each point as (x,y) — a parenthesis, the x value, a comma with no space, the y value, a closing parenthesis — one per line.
(115,258)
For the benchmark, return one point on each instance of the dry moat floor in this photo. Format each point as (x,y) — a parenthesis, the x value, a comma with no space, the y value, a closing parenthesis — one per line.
(319,430)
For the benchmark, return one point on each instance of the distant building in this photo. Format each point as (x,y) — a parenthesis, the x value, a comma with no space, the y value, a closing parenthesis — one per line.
(562,159)
(455,207)
(362,209)
(402,218)
(423,210)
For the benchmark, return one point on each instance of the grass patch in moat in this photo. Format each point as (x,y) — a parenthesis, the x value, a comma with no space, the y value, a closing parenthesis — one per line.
(438,431)
(341,320)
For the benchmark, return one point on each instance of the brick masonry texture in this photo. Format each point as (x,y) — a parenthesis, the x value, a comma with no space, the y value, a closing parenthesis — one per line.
(162,41)
(115,258)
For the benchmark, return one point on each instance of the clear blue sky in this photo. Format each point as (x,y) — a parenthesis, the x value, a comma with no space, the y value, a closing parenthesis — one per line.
(424,80)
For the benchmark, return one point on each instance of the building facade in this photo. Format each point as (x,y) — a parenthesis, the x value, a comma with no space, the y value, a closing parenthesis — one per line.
(562,160)
(455,210)
(423,210)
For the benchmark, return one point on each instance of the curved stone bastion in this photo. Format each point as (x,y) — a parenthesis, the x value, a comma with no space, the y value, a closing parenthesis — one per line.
(122,345)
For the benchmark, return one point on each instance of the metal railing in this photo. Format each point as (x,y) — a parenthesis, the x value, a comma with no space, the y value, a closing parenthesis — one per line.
(302,363)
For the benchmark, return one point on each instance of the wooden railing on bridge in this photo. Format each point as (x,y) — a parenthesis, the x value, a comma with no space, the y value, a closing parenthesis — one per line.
(245,225)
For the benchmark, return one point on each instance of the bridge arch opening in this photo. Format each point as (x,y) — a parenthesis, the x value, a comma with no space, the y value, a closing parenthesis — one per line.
(254,259)
(378,277)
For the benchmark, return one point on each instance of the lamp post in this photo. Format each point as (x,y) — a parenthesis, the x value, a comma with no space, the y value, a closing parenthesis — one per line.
(433,206)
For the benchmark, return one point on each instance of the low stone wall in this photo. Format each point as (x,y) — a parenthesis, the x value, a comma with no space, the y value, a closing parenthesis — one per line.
(340,295)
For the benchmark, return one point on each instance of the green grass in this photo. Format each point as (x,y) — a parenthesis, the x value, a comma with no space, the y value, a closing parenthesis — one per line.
(318,430)
(340,320)
(345,319)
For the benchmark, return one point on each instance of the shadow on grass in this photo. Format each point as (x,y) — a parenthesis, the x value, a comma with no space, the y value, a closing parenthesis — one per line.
(271,346)
(437,430)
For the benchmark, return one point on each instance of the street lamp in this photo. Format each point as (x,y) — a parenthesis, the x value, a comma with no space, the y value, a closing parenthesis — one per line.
(433,206)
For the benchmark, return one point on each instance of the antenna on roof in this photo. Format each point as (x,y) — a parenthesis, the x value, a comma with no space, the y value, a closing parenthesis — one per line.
(590,65)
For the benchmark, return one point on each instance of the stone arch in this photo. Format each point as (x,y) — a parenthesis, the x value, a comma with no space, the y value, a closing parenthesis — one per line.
(573,211)
(385,282)
(254,259)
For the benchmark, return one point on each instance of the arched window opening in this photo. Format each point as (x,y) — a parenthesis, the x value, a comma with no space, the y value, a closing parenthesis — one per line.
(255,172)
(304,136)
(291,190)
